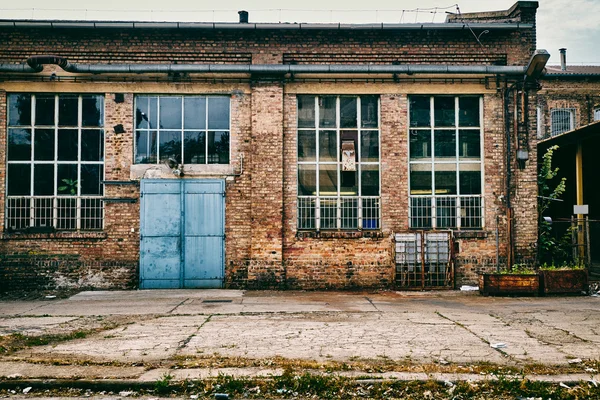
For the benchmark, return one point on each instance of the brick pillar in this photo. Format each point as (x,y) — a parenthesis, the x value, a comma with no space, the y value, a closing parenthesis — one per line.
(265,268)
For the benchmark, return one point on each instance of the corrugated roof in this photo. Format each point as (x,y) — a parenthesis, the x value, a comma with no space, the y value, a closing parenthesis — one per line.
(573,70)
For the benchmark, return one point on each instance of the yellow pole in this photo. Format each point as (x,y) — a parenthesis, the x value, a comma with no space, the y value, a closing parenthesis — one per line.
(579,189)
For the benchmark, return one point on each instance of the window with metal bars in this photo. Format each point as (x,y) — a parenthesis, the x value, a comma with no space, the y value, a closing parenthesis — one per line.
(184,129)
(338,163)
(562,120)
(55,162)
(445,163)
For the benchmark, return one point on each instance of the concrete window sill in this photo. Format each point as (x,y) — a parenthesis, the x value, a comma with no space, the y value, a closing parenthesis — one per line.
(60,235)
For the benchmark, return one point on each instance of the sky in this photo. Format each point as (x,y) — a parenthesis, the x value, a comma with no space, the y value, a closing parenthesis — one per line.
(574,24)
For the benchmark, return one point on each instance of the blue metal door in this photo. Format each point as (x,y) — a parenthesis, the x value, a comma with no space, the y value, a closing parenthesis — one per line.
(182,234)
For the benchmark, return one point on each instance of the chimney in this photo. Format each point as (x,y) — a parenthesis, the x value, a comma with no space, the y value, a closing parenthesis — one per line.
(563,59)
(243,17)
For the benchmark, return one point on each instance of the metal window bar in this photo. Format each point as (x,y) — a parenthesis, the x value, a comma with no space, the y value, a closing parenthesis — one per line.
(460,212)
(562,120)
(348,212)
(61,213)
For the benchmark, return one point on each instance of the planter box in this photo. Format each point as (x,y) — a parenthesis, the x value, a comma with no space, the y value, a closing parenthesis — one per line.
(509,284)
(568,281)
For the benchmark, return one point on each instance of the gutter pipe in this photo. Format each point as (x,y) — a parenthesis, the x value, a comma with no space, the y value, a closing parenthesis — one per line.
(36,63)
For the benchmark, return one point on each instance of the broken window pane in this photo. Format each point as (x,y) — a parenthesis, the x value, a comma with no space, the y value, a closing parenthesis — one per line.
(194,109)
(369,112)
(19,110)
(348,183)
(307,146)
(92,110)
(91,177)
(44,145)
(146,112)
(218,147)
(170,146)
(420,144)
(306,111)
(67,145)
(66,180)
(444,111)
(328,146)
(327,113)
(420,111)
(369,146)
(348,112)
(43,179)
(68,110)
(19,144)
(44,109)
(92,145)
(194,148)
(468,111)
(307,180)
(218,113)
(145,149)
(19,179)
(170,113)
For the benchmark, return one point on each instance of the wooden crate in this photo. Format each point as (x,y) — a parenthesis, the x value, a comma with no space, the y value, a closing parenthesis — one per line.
(509,284)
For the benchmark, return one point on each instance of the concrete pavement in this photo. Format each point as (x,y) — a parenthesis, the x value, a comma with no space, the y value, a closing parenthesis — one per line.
(143,335)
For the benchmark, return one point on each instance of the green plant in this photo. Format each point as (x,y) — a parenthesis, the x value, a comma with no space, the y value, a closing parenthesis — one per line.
(162,385)
(519,269)
(561,267)
(70,186)
(550,248)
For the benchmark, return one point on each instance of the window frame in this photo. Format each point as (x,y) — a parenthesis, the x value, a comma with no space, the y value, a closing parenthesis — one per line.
(206,130)
(431,209)
(368,207)
(43,212)
(555,112)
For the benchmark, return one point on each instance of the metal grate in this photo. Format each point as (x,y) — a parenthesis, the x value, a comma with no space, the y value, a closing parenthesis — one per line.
(460,212)
(562,120)
(62,213)
(347,212)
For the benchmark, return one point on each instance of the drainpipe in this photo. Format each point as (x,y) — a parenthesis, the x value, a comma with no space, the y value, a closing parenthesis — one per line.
(509,217)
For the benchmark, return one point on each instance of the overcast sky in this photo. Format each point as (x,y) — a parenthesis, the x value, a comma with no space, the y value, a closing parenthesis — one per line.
(574,24)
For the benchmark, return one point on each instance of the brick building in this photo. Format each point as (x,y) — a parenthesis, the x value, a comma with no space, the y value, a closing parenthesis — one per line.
(267,155)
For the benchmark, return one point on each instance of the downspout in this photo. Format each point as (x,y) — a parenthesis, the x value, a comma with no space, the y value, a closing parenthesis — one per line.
(509,218)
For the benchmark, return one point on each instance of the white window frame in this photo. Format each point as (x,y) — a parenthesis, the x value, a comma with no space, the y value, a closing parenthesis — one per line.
(433,198)
(597,114)
(305,202)
(41,206)
(563,114)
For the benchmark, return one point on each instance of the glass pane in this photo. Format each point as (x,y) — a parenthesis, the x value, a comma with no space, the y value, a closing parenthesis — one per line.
(194,110)
(218,147)
(307,146)
(44,145)
(68,110)
(470,178)
(348,183)
(92,111)
(306,111)
(170,113)
(369,180)
(92,145)
(44,109)
(43,180)
(369,146)
(145,147)
(145,112)
(170,146)
(444,111)
(66,180)
(420,111)
(218,113)
(420,144)
(19,144)
(327,146)
(348,112)
(349,136)
(328,180)
(469,145)
(445,179)
(194,148)
(67,145)
(91,177)
(327,111)
(19,180)
(420,179)
(369,111)
(307,180)
(468,111)
(444,144)
(19,109)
